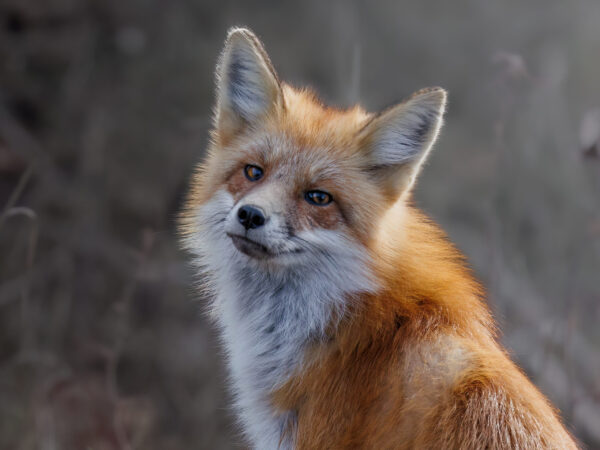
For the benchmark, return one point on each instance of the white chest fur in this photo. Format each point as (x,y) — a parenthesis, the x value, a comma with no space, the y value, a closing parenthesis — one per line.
(267,315)
(265,328)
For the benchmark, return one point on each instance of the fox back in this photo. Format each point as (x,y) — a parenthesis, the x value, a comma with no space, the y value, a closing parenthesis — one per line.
(348,319)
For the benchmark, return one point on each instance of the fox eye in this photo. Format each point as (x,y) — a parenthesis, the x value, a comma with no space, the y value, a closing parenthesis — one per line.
(318,198)
(253,173)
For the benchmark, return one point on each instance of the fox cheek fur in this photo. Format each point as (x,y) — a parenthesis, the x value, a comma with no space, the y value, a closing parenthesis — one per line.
(348,319)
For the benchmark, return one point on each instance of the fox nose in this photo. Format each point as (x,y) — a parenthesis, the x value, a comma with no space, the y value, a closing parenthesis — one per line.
(251,217)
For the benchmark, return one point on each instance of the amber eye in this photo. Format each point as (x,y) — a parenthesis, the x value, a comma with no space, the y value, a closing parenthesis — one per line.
(318,198)
(253,173)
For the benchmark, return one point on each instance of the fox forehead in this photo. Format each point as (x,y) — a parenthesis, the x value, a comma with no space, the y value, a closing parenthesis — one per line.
(311,121)
(308,124)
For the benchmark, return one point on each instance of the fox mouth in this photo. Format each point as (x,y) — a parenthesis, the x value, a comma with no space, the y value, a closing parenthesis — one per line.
(255,249)
(250,247)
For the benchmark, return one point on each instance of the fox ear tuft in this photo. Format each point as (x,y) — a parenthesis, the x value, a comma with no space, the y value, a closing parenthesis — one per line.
(247,85)
(399,139)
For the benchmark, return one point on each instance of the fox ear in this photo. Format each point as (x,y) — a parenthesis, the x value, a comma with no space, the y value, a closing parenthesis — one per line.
(399,139)
(247,86)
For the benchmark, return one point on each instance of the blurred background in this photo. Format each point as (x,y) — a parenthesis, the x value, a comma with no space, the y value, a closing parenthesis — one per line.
(104,110)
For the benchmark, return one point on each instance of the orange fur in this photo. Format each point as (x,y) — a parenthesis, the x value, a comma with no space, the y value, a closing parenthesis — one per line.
(416,365)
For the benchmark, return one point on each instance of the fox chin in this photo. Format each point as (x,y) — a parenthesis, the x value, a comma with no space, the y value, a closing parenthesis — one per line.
(348,319)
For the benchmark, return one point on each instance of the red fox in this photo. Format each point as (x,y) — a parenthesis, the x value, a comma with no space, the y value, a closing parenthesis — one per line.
(348,319)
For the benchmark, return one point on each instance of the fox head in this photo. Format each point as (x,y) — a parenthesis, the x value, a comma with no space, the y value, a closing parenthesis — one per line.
(291,183)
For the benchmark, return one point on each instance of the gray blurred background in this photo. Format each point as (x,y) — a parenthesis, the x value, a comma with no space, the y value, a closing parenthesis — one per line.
(104,110)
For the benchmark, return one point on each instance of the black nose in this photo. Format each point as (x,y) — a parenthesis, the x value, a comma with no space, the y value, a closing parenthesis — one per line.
(251,217)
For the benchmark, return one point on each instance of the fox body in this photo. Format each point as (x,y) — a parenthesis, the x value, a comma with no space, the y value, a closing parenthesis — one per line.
(348,319)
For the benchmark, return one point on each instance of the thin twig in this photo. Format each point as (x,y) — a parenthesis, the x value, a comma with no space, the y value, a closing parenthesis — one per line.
(16,194)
